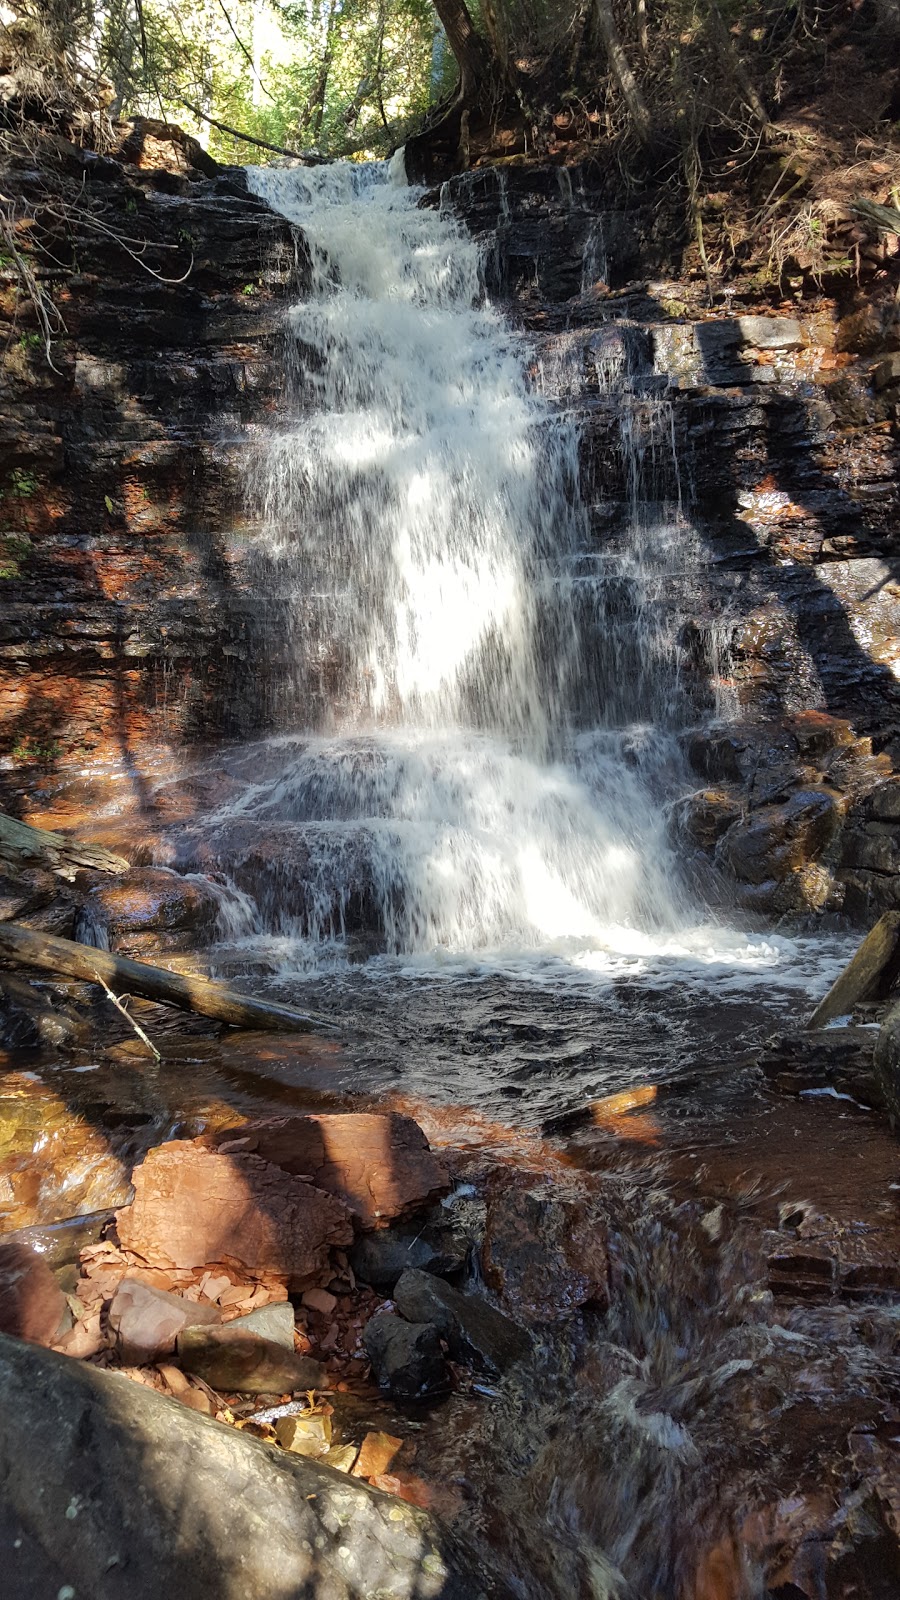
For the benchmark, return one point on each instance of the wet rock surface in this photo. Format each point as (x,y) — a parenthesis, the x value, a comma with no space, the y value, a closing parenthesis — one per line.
(544,1255)
(474,1331)
(32,1305)
(378,1166)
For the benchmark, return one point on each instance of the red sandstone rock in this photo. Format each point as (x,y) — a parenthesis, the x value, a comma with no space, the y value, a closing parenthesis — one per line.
(380,1166)
(544,1255)
(195,1207)
(32,1305)
(147,1321)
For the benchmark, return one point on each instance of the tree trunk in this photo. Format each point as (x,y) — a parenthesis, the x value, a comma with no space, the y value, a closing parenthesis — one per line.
(464,42)
(67,959)
(604,31)
(726,50)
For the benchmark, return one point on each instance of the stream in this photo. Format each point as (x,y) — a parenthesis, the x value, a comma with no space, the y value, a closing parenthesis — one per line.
(459,852)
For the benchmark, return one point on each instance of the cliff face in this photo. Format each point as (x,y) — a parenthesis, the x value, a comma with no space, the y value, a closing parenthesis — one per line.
(134,618)
(125,618)
(775,432)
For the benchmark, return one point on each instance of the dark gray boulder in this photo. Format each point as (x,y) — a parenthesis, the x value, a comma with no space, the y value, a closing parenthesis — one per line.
(476,1334)
(887,1063)
(381,1257)
(407,1357)
(109,1491)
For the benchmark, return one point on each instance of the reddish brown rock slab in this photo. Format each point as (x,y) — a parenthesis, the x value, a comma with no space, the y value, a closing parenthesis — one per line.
(32,1305)
(147,1321)
(544,1255)
(194,1207)
(152,900)
(379,1165)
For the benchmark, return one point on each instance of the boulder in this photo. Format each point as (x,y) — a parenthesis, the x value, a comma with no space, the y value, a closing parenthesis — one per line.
(275,1323)
(147,1321)
(407,1358)
(887,1063)
(545,1256)
(194,1207)
(108,1489)
(475,1333)
(154,900)
(380,1258)
(779,840)
(379,1165)
(32,1305)
(703,817)
(237,1360)
(887,372)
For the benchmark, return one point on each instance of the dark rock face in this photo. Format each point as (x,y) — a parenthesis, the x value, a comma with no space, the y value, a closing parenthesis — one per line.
(136,599)
(115,1474)
(777,436)
(126,617)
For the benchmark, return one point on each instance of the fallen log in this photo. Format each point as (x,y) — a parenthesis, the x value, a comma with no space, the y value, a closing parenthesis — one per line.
(870,972)
(65,958)
(20,843)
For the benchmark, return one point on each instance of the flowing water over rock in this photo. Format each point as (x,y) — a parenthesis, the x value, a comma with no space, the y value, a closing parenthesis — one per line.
(492,705)
(464,858)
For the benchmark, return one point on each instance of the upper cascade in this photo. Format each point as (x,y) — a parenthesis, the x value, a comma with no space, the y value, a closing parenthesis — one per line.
(491,744)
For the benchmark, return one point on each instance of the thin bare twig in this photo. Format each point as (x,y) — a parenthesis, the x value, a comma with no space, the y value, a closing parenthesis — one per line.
(128,1017)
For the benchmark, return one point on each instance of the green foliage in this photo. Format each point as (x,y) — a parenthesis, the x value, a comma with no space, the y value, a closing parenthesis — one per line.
(33,751)
(21,485)
(15,548)
(345,76)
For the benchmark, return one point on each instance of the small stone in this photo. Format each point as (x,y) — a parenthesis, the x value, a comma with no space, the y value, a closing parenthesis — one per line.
(229,1359)
(341,1457)
(406,1357)
(319,1300)
(376,1453)
(147,1321)
(275,1323)
(304,1436)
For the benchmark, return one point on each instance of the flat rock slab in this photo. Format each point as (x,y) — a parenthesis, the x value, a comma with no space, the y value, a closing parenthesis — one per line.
(233,1359)
(110,1491)
(147,1321)
(194,1207)
(380,1166)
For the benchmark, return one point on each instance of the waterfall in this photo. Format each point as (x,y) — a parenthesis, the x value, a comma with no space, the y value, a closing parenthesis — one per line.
(420,508)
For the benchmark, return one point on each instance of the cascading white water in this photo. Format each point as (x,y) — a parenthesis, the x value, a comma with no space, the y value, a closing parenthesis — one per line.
(422,508)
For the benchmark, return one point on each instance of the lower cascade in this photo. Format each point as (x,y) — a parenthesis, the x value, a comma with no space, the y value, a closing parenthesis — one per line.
(492,706)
